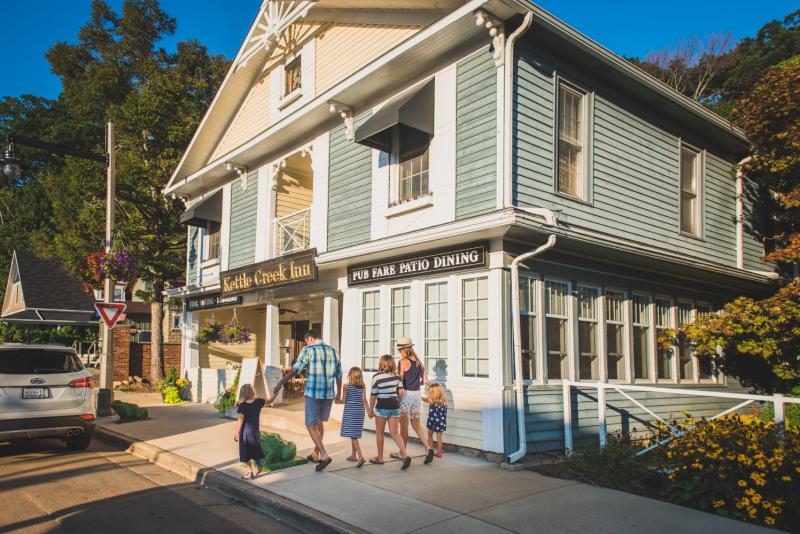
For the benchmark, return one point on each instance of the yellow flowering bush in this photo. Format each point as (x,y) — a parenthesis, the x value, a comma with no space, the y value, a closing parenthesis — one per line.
(740,468)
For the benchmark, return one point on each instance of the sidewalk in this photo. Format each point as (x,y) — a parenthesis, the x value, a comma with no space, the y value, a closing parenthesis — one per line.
(454,494)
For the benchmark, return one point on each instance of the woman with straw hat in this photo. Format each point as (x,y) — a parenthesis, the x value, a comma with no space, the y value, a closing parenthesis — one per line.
(412,374)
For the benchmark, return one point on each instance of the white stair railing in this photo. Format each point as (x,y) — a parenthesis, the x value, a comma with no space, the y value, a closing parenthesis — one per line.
(778,401)
(293,232)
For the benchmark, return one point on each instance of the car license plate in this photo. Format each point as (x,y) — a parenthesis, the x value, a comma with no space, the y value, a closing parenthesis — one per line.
(35,393)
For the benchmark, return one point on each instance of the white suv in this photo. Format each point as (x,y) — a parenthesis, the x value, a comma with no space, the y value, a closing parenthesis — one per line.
(45,392)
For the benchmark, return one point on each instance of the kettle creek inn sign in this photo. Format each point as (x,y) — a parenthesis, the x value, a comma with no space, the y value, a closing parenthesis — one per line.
(279,272)
(440,261)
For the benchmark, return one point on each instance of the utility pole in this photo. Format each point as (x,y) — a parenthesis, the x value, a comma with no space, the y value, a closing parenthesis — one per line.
(105,395)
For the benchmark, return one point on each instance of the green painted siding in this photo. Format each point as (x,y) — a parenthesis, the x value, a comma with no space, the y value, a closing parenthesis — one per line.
(349,190)
(476,135)
(244,204)
(545,409)
(634,165)
(192,254)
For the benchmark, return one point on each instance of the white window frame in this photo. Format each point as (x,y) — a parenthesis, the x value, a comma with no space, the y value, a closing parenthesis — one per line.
(534,283)
(649,353)
(656,326)
(409,323)
(692,357)
(699,168)
(462,377)
(570,331)
(207,233)
(626,334)
(715,378)
(287,98)
(583,178)
(599,329)
(442,323)
(362,339)
(395,203)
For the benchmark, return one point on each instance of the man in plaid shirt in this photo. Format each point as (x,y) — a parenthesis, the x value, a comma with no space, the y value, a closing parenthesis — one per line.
(323,367)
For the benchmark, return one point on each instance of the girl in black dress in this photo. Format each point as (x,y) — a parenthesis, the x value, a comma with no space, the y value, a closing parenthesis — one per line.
(248,433)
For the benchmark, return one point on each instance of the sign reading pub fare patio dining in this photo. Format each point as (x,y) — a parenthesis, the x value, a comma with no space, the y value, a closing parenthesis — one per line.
(280,272)
(441,261)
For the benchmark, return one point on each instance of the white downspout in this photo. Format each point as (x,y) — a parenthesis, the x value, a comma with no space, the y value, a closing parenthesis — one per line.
(508,108)
(551,220)
(740,213)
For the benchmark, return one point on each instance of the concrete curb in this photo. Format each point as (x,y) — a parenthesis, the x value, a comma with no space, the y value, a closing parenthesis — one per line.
(279,508)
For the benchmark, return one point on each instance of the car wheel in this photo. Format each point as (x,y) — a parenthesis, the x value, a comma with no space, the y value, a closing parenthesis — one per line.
(79,443)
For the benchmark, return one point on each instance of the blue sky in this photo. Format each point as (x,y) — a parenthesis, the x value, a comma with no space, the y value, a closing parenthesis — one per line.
(629,27)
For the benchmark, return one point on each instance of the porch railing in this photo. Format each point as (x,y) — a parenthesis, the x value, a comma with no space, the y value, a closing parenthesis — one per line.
(778,401)
(88,352)
(293,232)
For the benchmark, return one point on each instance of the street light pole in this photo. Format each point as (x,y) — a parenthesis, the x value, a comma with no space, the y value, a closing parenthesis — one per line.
(105,395)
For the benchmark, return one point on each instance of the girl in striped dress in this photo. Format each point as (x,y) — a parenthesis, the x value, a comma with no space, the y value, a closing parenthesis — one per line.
(354,398)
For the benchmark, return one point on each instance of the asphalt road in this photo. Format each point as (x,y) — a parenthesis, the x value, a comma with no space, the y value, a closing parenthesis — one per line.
(46,488)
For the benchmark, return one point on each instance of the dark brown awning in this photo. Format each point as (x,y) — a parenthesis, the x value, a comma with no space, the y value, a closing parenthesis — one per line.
(205,211)
(413,109)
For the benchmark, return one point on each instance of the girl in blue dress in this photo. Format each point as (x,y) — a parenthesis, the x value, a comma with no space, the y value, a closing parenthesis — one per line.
(248,433)
(437,415)
(354,398)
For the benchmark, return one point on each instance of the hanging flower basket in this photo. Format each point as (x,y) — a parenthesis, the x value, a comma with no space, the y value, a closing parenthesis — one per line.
(235,332)
(97,266)
(209,333)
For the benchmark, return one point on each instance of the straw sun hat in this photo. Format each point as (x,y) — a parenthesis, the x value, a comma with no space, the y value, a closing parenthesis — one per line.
(404,343)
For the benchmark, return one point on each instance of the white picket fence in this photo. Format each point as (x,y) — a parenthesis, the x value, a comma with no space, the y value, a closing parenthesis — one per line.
(778,401)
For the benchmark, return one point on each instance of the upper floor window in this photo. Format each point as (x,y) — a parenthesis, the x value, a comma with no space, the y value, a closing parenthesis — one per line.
(690,191)
(411,154)
(292,75)
(212,244)
(571,174)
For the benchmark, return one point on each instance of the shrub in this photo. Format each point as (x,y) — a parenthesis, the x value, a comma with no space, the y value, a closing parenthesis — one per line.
(747,470)
(614,466)
(172,395)
(227,399)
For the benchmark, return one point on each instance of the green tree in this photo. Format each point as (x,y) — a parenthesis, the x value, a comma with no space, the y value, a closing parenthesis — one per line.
(755,341)
(770,115)
(116,71)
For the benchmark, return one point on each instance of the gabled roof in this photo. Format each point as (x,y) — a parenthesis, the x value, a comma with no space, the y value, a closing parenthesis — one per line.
(263,37)
(48,290)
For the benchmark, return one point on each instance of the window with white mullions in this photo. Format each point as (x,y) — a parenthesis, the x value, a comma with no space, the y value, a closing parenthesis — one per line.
(571,141)
(412,163)
(557,320)
(212,244)
(705,367)
(527,311)
(400,314)
(588,360)
(641,337)
(686,363)
(663,354)
(436,329)
(475,327)
(691,171)
(292,75)
(370,329)
(615,334)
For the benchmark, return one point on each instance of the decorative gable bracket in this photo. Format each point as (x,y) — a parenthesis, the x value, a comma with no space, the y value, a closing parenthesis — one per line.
(240,170)
(496,32)
(273,20)
(346,113)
